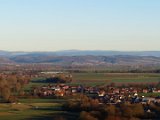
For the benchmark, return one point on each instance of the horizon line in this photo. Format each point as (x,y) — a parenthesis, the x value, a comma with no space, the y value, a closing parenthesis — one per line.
(80,50)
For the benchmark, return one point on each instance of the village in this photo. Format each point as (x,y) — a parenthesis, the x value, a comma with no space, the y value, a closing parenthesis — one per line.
(105,95)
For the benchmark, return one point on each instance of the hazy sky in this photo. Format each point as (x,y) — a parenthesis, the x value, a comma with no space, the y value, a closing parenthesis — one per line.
(49,25)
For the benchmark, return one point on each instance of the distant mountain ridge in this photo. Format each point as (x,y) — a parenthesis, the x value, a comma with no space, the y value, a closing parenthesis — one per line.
(87,60)
(78,57)
(84,53)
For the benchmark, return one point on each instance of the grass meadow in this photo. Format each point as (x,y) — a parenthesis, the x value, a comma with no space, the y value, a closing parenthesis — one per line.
(117,78)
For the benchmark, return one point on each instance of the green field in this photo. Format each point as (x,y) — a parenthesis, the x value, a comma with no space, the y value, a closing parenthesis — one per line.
(41,100)
(27,110)
(105,78)
(33,111)
(114,76)
(149,94)
(93,79)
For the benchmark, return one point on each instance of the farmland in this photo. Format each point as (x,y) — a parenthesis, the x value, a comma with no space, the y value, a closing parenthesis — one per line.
(36,111)
(125,78)
(49,108)
(92,79)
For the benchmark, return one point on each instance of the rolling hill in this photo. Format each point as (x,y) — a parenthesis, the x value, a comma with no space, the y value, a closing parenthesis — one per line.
(76,57)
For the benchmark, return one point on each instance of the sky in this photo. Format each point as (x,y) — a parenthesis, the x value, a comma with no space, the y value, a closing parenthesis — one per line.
(52,25)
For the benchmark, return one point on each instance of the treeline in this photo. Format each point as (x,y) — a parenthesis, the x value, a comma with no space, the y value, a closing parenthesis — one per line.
(11,85)
(91,109)
(59,78)
(115,71)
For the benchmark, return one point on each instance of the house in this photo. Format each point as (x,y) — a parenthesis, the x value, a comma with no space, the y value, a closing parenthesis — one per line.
(101,93)
(60,93)
(116,91)
(74,89)
(145,91)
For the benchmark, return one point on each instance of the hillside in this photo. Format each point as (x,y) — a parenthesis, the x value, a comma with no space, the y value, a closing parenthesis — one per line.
(4,60)
(87,60)
(75,57)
